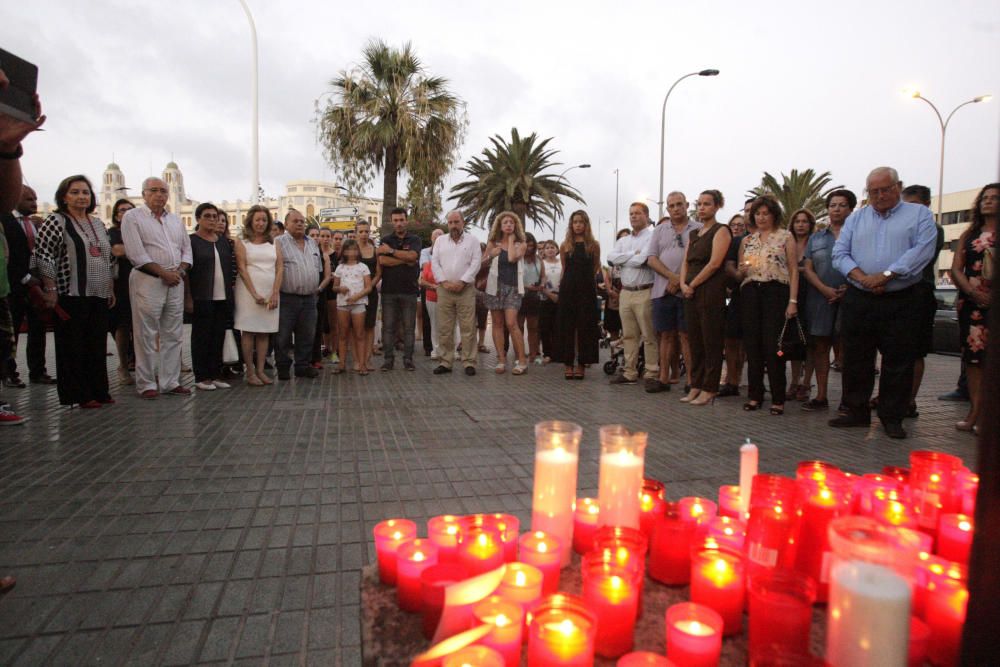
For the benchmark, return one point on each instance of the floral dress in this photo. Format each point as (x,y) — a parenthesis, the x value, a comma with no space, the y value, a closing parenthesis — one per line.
(980,268)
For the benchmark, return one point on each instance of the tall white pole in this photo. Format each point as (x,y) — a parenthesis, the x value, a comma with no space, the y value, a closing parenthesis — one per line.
(255,103)
(663,129)
(616,203)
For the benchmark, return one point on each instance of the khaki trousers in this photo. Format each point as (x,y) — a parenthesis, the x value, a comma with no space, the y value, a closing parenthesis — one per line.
(460,307)
(636,311)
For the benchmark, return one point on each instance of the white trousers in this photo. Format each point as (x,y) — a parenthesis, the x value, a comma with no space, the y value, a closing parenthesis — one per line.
(157,310)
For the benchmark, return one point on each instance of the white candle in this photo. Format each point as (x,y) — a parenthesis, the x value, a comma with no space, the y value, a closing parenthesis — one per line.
(868,618)
(619,486)
(748,468)
(556,459)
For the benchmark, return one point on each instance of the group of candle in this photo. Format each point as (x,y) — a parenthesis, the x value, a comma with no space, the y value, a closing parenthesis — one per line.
(886,551)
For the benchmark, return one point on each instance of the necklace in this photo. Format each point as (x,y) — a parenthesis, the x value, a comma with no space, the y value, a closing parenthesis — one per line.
(94,247)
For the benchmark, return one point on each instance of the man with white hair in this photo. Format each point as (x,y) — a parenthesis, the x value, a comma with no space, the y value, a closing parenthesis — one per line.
(882,249)
(160,250)
(455,262)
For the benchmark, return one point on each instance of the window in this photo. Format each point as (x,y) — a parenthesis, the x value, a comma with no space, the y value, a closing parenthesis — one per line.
(309,188)
(293,189)
(310,211)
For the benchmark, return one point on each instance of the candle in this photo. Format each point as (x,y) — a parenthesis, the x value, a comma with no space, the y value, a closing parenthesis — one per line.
(522,583)
(612,595)
(670,548)
(694,635)
(931,569)
(433,582)
(650,504)
(772,528)
(780,610)
(474,656)
(557,447)
(643,659)
(510,529)
(507,619)
(871,485)
(619,484)
(865,539)
(442,531)
(748,470)
(868,618)
(726,533)
(946,607)
(561,633)
(968,486)
(897,472)
(543,551)
(585,517)
(729,501)
(920,635)
(932,475)
(890,508)
(696,510)
(480,547)
(439,652)
(412,558)
(955,537)
(389,534)
(626,547)
(718,581)
(825,499)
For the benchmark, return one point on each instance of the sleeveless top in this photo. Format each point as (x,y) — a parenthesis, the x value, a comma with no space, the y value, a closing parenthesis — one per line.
(700,250)
(532,271)
(766,260)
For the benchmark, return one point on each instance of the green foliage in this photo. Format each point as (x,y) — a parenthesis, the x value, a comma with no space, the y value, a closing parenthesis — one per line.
(423,200)
(509,175)
(797,190)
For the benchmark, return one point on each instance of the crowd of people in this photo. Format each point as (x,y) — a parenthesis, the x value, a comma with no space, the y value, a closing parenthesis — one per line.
(685,297)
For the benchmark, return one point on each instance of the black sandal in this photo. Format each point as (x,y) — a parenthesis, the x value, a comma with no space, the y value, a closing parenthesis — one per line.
(777,410)
(750,406)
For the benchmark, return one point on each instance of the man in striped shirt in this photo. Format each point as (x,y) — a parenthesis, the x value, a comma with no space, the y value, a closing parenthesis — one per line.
(300,282)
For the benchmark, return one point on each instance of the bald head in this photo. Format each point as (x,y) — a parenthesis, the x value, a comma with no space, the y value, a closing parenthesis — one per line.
(27,205)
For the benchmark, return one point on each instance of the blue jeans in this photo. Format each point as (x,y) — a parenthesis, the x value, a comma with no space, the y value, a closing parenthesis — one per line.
(296,317)
(398,309)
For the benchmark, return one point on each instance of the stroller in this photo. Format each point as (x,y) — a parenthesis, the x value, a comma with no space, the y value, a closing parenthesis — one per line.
(617,359)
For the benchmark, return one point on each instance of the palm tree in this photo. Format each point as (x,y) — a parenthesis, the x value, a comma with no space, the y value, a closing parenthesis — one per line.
(388,114)
(509,177)
(797,190)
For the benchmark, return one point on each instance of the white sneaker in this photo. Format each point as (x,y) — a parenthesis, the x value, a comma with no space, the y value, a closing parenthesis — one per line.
(219,384)
(205,386)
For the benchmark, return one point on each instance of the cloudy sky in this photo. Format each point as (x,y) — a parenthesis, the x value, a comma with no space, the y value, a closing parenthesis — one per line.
(803,84)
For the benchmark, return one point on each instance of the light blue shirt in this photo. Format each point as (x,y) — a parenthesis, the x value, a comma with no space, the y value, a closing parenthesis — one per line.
(902,241)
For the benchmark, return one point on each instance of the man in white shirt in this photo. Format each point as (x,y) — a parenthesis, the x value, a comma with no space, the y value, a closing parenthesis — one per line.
(160,250)
(635,307)
(455,262)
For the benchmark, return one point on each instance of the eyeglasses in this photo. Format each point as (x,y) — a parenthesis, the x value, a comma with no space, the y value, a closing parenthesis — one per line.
(875,192)
(161,191)
(679,240)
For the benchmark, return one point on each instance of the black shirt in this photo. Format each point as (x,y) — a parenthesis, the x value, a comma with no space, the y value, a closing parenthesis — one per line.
(402,279)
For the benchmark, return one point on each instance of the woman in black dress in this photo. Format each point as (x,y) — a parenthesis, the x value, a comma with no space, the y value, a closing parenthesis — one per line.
(120,317)
(576,320)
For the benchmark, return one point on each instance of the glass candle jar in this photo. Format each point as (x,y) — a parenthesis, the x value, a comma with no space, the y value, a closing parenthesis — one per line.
(773,526)
(561,633)
(557,455)
(932,479)
(620,476)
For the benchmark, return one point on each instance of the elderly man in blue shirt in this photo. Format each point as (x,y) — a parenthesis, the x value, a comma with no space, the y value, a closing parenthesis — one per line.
(882,250)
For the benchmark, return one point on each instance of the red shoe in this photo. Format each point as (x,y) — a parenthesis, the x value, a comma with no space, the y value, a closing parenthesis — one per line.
(8,418)
(317,364)
(149,394)
(178,391)
(89,405)
(106,401)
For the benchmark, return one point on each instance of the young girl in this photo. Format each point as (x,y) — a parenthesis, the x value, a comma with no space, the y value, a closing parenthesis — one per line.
(352,282)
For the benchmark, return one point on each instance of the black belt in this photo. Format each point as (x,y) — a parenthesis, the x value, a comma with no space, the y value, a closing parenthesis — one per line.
(895,293)
(637,288)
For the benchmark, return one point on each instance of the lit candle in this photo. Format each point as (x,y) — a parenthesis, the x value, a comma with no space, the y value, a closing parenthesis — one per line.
(727,532)
(891,509)
(729,501)
(643,659)
(748,470)
(932,476)
(946,607)
(780,610)
(474,656)
(696,509)
(865,539)
(543,551)
(825,500)
(522,584)
(619,482)
(955,537)
(585,517)
(871,485)
(929,570)
(507,619)
(670,548)
(561,633)
(510,529)
(446,648)
(773,524)
(626,547)
(694,635)
(718,582)
(480,549)
(611,593)
(651,504)
(412,558)
(442,531)
(389,534)
(968,486)
(897,472)
(557,447)
(868,618)
(433,582)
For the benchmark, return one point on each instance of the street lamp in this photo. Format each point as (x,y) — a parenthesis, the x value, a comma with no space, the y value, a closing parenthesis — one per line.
(255,126)
(560,177)
(915,94)
(663,127)
(617,175)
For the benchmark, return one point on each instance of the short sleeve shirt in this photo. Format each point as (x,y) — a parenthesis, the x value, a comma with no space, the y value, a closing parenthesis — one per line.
(352,276)
(401,279)
(819,250)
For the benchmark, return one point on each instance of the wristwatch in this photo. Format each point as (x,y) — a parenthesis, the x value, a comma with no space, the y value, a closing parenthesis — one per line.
(888,274)
(15,155)
(392,251)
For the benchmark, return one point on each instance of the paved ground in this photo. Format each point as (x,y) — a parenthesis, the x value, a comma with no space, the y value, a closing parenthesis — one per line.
(231,527)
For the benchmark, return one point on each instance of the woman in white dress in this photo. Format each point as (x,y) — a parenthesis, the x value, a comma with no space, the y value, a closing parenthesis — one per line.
(258,260)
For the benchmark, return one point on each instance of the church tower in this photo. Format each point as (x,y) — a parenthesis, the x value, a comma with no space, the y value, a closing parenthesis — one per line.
(112,189)
(175,184)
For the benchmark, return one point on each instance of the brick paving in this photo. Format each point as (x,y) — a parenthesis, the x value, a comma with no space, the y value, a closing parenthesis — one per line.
(231,527)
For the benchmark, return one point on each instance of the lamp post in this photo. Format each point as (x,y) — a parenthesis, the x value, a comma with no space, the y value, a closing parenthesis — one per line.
(561,176)
(617,175)
(663,127)
(254,124)
(944,128)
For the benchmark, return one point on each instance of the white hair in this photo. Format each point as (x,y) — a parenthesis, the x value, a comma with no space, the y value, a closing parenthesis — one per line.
(147,181)
(878,171)
(455,210)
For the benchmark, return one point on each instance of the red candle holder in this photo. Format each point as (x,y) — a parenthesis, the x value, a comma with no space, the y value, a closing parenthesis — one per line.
(650,504)
(945,615)
(696,509)
(920,636)
(561,633)
(871,486)
(389,534)
(507,621)
(817,471)
(586,514)
(931,569)
(442,531)
(628,548)
(729,500)
(522,584)
(718,581)
(480,544)
(478,655)
(967,486)
(412,558)
(825,498)
(780,611)
(954,540)
(773,526)
(670,548)
(643,659)
(433,581)
(544,552)
(902,475)
(722,532)
(510,529)
(611,592)
(932,478)
(694,635)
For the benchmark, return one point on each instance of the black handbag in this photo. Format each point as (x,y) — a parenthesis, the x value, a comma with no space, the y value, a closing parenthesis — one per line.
(792,341)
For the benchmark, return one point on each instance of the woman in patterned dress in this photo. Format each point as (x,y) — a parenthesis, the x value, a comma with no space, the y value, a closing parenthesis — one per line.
(973,270)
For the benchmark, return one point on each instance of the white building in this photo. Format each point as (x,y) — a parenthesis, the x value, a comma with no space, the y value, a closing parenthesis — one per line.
(956,215)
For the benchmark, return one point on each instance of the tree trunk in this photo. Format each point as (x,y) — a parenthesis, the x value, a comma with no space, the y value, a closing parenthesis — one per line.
(390,174)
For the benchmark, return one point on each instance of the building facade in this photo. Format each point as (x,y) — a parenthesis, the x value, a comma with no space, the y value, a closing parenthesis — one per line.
(956,215)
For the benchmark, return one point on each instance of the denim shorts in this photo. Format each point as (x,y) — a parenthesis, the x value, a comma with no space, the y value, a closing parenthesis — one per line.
(668,314)
(506,298)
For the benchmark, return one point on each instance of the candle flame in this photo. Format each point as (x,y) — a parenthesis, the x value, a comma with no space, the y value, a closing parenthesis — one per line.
(616,582)
(397,535)
(935,477)
(520,579)
(501,621)
(483,539)
(542,547)
(964,525)
(728,531)
(419,556)
(697,509)
(777,509)
(622,554)
(451,530)
(693,627)
(567,627)
(721,565)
